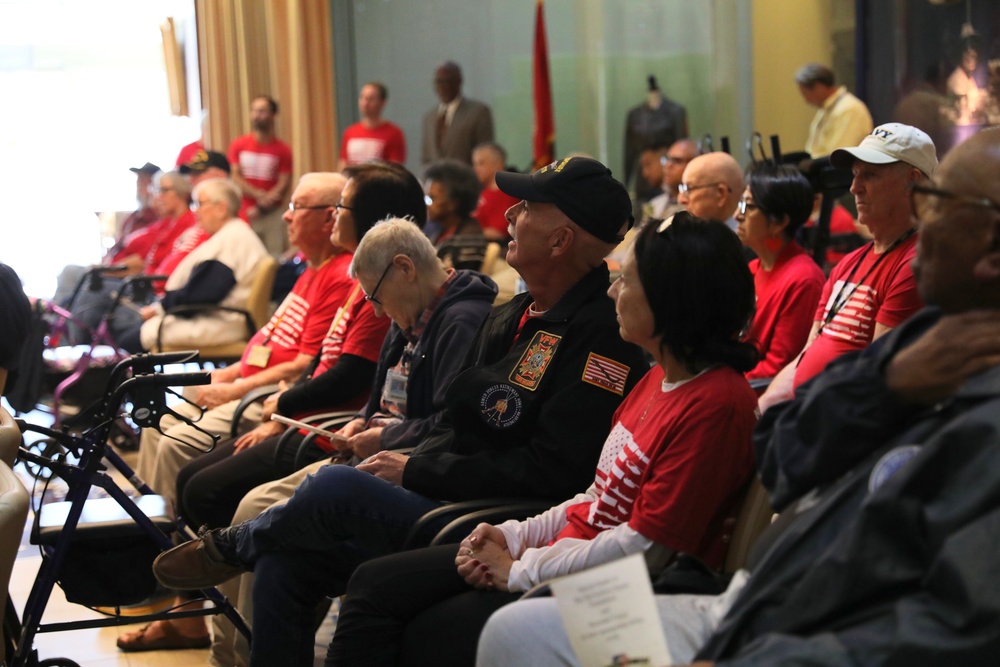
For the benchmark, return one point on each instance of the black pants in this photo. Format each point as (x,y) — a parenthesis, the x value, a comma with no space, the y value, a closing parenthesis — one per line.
(412,608)
(210,488)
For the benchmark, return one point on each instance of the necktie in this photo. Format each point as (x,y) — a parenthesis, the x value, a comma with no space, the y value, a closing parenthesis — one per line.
(442,125)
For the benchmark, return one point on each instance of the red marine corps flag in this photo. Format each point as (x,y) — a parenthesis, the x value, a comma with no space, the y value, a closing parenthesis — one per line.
(545,128)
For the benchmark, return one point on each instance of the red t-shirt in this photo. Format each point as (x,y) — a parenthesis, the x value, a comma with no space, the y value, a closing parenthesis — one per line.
(137,243)
(302,320)
(841,222)
(191,238)
(675,464)
(188,152)
(171,231)
(362,144)
(357,331)
(786,301)
(888,296)
(354,330)
(260,164)
(493,204)
(135,222)
(154,242)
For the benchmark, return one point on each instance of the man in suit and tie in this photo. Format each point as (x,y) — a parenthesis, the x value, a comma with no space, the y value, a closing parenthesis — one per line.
(457,124)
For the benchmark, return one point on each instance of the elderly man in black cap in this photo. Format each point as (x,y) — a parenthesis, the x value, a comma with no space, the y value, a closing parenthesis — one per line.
(525,418)
(205,165)
(143,216)
(138,220)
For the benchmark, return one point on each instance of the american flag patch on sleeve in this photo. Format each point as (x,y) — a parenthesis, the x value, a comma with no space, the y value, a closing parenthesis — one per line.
(605,373)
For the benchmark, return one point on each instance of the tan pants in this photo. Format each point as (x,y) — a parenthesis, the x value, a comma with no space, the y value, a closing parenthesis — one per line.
(161,456)
(229,648)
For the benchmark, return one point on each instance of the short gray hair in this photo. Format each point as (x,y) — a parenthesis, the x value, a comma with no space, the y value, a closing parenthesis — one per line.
(178,181)
(221,190)
(813,73)
(391,237)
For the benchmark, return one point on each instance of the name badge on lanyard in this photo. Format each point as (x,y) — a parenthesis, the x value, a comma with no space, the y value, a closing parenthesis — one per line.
(395,387)
(259,356)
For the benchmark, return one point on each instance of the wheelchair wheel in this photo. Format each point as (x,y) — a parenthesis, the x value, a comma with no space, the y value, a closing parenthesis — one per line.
(48,448)
(57,662)
(124,435)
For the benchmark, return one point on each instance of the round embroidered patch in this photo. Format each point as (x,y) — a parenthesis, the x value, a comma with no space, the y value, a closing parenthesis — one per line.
(500,406)
(889,464)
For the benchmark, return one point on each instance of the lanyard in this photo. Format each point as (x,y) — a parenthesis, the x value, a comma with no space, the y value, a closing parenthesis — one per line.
(838,303)
(828,111)
(342,311)
(287,301)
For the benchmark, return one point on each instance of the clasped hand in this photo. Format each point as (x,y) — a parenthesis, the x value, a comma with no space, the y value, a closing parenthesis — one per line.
(483,559)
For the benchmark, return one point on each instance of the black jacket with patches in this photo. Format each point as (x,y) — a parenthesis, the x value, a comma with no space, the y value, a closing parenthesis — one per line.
(521,420)
(891,558)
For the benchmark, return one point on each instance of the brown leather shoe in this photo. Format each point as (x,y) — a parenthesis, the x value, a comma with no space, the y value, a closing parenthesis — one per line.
(194,565)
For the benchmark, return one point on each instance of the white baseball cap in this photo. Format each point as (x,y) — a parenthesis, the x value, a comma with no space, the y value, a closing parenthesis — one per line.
(888,143)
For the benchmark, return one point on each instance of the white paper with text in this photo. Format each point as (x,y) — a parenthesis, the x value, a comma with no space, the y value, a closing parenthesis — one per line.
(610,615)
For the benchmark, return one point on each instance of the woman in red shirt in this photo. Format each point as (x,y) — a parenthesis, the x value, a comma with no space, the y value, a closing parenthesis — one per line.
(777,201)
(670,476)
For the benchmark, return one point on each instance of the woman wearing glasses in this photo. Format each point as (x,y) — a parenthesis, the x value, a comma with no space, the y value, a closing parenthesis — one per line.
(672,471)
(788,283)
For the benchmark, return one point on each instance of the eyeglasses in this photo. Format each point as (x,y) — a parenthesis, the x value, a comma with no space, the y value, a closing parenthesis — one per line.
(743,206)
(160,191)
(293,207)
(676,161)
(924,199)
(684,188)
(372,298)
(196,204)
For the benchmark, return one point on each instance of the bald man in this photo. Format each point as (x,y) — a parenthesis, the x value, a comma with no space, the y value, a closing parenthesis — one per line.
(711,187)
(716,184)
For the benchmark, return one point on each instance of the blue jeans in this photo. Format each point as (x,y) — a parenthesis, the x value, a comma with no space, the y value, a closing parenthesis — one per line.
(308,548)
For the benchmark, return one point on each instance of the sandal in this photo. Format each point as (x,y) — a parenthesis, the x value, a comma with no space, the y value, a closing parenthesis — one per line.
(171,640)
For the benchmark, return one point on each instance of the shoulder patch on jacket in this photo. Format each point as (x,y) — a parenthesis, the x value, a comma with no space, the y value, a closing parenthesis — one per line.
(500,406)
(605,373)
(535,360)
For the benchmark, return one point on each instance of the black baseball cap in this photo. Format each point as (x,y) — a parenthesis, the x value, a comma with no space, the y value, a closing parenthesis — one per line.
(582,188)
(203,160)
(148,168)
